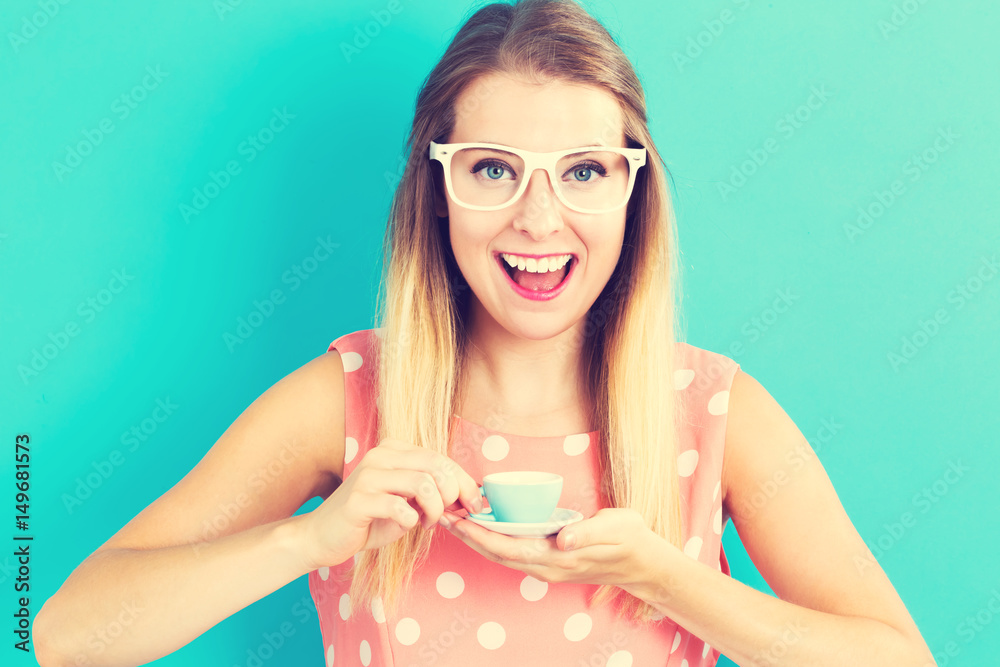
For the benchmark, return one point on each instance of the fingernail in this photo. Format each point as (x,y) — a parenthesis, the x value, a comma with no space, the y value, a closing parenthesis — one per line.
(569,543)
(445,521)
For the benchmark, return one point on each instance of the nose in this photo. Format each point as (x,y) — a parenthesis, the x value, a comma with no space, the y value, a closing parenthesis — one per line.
(538,213)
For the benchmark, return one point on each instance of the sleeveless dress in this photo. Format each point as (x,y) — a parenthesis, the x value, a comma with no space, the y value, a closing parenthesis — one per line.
(463,609)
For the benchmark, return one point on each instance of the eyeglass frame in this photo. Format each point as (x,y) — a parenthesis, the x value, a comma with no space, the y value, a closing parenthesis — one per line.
(534,161)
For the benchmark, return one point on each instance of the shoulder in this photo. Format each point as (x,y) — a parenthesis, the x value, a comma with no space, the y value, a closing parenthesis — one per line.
(361,342)
(698,371)
(359,352)
(703,360)
(761,439)
(319,394)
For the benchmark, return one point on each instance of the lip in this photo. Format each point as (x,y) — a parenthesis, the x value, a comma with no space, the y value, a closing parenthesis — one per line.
(551,254)
(532,295)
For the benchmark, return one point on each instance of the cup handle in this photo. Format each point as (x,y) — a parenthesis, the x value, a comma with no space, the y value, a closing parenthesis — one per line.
(486,507)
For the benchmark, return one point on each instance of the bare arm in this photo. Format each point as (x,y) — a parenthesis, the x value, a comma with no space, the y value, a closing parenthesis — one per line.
(223,536)
(835,605)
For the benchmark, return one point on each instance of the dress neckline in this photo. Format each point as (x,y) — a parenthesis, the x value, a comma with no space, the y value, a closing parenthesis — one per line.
(522,437)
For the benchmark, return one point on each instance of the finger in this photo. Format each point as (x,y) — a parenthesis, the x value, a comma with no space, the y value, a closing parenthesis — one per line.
(388,506)
(504,548)
(415,484)
(454,482)
(605,527)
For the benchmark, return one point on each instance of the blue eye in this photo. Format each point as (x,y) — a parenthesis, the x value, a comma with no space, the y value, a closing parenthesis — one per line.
(493,170)
(586,172)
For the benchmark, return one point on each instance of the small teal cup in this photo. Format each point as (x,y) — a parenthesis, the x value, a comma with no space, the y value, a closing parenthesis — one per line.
(522,496)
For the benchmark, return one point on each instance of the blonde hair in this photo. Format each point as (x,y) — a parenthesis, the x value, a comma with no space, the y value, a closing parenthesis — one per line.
(629,334)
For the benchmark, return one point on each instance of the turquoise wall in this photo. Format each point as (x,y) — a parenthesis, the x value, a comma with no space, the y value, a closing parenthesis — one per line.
(170,168)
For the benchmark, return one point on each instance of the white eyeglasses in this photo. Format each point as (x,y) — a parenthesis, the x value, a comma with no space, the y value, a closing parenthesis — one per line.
(489,177)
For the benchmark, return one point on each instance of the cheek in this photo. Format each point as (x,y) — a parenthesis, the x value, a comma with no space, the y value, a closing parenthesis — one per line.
(469,239)
(606,241)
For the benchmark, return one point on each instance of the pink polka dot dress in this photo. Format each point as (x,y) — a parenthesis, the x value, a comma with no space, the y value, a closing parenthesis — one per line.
(463,609)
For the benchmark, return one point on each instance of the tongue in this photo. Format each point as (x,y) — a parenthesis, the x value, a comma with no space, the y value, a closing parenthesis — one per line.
(540,282)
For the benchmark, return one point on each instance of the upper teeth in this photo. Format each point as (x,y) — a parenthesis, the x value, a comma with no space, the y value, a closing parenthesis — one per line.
(532,265)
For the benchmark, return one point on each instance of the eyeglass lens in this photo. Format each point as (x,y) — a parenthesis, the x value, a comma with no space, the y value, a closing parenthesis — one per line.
(593,180)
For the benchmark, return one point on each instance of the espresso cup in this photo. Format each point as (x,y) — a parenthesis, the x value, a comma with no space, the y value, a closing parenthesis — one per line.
(525,496)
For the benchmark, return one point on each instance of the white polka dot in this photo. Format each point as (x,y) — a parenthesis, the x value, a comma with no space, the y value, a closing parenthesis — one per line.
(693,547)
(491,635)
(357,558)
(378,610)
(719,404)
(450,584)
(684,663)
(620,659)
(717,522)
(705,651)
(576,444)
(715,494)
(657,617)
(329,656)
(495,448)
(683,378)
(324,573)
(407,631)
(578,626)
(352,361)
(532,589)
(345,606)
(687,462)
(677,641)
(350,450)
(366,653)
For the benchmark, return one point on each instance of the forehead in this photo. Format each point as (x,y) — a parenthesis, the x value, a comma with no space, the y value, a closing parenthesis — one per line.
(550,116)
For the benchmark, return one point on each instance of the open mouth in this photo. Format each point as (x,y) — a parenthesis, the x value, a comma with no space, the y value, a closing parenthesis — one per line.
(537,286)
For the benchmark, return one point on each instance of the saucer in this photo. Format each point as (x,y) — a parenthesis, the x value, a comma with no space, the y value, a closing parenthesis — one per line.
(560,517)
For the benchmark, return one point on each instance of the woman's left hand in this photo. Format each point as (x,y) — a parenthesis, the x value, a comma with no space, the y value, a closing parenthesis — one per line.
(612,547)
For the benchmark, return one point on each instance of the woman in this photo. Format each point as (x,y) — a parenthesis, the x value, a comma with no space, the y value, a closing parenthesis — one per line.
(527,323)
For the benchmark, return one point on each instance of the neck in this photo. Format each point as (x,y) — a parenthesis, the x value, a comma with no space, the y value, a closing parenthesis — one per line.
(508,379)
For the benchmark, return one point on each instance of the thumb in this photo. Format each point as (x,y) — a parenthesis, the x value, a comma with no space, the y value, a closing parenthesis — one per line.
(570,538)
(576,535)
(605,527)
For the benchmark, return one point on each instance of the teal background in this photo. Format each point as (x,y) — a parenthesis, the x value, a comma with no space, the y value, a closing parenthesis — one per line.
(855,297)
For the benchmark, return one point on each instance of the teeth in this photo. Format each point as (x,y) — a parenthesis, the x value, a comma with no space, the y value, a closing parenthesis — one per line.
(531,265)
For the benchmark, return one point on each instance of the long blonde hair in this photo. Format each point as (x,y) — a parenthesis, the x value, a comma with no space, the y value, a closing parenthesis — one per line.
(629,334)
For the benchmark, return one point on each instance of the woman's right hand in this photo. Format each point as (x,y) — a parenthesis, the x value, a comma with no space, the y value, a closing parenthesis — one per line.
(394,486)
